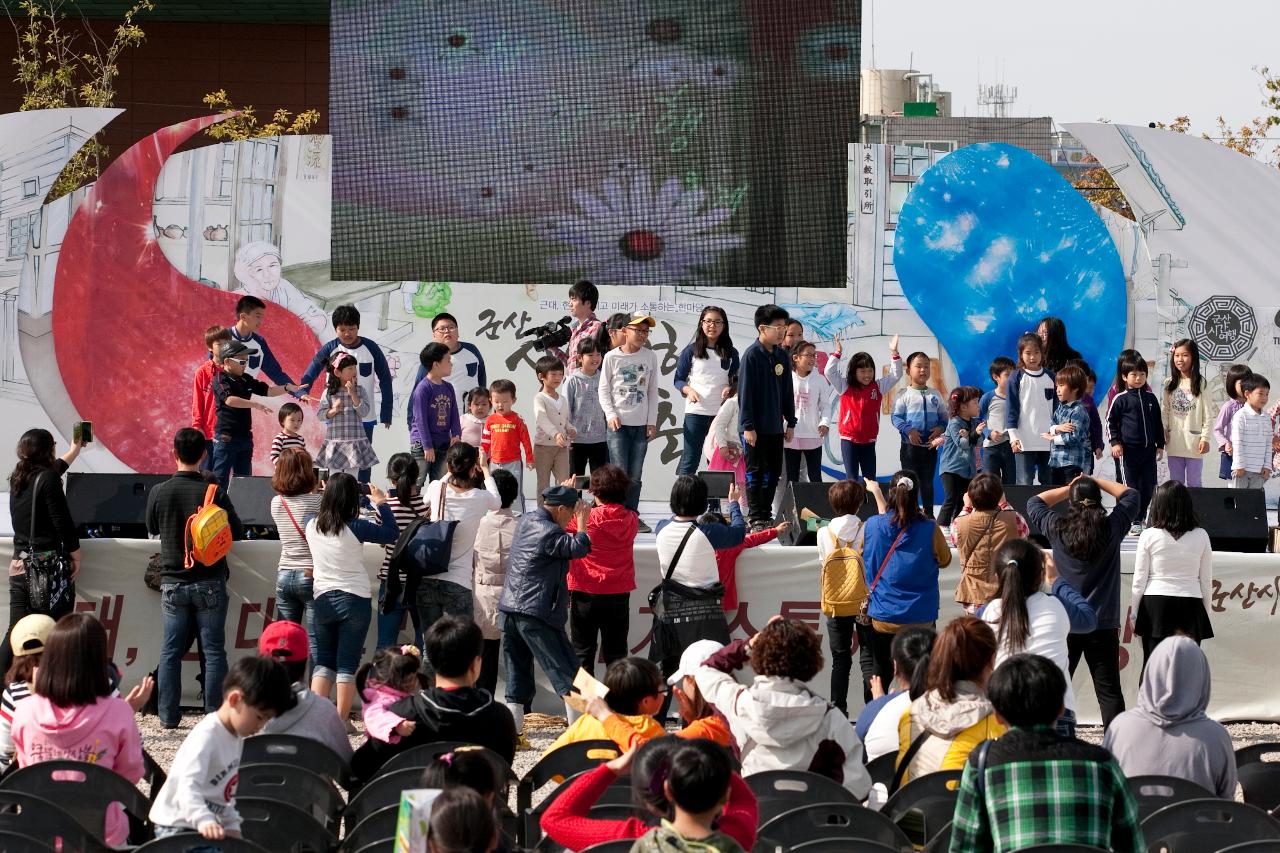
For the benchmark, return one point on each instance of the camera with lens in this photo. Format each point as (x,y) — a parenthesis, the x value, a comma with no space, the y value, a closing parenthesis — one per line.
(552,334)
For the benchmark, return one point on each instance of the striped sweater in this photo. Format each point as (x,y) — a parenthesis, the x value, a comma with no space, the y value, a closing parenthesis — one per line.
(9,699)
(405,515)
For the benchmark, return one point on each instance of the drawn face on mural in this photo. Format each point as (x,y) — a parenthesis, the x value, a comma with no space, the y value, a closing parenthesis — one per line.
(264,274)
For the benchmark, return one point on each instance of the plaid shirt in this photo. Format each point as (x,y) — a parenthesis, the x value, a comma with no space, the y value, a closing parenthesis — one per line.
(1041,788)
(1071,448)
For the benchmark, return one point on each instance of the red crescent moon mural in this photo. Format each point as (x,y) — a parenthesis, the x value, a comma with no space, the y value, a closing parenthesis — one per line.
(128,327)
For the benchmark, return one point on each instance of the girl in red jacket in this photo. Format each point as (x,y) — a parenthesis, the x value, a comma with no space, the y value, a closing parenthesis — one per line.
(861,395)
(600,583)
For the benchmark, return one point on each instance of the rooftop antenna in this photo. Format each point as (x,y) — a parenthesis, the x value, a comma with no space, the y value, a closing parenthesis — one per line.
(996,99)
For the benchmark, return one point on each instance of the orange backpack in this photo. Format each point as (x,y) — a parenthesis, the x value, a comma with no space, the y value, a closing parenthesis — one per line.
(208,533)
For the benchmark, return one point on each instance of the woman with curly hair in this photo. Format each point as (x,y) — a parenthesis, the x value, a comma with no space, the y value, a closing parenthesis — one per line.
(777,722)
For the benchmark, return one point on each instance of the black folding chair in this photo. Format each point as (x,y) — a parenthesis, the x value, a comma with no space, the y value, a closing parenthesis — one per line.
(841,845)
(924,805)
(1153,793)
(153,774)
(1194,826)
(282,828)
(564,762)
(46,822)
(620,845)
(848,821)
(1263,846)
(85,791)
(1062,848)
(297,786)
(420,756)
(187,842)
(387,845)
(881,768)
(376,827)
(779,791)
(382,791)
(16,842)
(940,843)
(299,751)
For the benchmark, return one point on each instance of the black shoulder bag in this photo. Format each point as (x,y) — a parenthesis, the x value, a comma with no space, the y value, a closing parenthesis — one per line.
(655,594)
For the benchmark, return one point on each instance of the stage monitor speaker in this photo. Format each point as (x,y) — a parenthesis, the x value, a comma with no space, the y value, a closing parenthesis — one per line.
(813,497)
(114,504)
(1017,497)
(251,496)
(1235,519)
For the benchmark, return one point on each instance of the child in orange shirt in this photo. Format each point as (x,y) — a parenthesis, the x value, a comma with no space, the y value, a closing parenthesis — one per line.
(505,433)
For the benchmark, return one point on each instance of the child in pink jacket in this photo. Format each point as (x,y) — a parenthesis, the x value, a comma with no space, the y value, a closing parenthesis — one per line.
(389,677)
(74,717)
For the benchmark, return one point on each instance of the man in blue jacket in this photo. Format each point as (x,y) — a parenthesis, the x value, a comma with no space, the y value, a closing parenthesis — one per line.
(535,598)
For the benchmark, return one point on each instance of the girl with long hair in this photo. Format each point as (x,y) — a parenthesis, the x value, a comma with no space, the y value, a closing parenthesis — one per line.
(703,373)
(38,505)
(1173,572)
(1086,550)
(1030,412)
(903,549)
(1026,619)
(1186,414)
(861,397)
(297,498)
(405,500)
(343,604)
(952,715)
(956,461)
(1057,352)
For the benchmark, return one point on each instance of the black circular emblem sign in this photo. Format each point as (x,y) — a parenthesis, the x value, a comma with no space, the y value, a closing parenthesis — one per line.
(1224,327)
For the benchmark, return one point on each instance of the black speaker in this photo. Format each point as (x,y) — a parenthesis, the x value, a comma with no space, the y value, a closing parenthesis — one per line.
(1235,519)
(251,496)
(114,504)
(813,497)
(1017,497)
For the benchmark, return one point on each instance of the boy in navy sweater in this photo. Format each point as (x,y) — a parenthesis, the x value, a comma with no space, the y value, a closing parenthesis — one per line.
(371,364)
(1137,434)
(767,411)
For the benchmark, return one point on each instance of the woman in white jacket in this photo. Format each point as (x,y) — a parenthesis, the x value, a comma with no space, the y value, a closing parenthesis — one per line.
(1172,573)
(777,722)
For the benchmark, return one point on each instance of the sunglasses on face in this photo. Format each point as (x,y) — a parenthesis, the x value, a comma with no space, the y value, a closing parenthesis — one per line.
(243,362)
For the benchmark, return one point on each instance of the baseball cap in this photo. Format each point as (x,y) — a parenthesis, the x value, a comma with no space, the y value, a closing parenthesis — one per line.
(561,496)
(285,641)
(642,319)
(692,657)
(29,634)
(231,349)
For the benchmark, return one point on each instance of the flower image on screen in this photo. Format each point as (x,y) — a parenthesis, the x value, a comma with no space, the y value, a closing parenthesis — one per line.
(630,142)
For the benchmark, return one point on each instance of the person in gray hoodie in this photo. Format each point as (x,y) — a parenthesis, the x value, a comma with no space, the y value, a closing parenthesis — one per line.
(1169,734)
(776,721)
(312,717)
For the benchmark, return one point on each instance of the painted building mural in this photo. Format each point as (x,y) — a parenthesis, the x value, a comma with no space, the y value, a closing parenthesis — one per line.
(104,294)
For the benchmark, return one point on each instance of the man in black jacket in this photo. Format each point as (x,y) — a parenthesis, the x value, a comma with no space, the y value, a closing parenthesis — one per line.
(455,709)
(193,599)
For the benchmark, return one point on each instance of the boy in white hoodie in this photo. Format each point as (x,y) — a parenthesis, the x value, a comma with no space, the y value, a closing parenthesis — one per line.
(776,721)
(200,793)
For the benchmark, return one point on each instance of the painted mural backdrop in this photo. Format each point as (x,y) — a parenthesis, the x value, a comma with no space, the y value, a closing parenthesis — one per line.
(187,234)
(631,142)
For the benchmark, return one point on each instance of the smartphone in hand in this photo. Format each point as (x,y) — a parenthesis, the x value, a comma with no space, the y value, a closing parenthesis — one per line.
(82,432)
(582,482)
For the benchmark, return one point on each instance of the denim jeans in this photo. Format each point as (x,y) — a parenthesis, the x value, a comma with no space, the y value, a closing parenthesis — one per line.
(293,601)
(341,622)
(627,447)
(1029,464)
(232,457)
(435,470)
(389,623)
(186,608)
(695,433)
(526,639)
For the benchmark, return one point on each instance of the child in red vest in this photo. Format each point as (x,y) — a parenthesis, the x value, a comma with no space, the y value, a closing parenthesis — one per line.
(861,396)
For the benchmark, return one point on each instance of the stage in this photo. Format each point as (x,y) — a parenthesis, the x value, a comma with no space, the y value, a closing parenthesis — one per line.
(771,579)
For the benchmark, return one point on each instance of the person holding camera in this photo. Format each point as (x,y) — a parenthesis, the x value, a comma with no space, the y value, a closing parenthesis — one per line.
(583,297)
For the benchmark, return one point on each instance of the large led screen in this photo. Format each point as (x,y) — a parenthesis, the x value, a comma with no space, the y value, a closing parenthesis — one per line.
(645,142)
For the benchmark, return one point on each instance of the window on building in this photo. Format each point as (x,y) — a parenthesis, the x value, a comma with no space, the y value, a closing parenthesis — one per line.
(255,208)
(226,178)
(31,188)
(19,231)
(941,146)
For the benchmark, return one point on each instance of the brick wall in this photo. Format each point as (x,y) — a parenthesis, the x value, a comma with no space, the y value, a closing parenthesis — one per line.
(162,81)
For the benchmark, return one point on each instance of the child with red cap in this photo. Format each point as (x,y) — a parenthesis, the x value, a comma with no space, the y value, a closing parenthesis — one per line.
(312,717)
